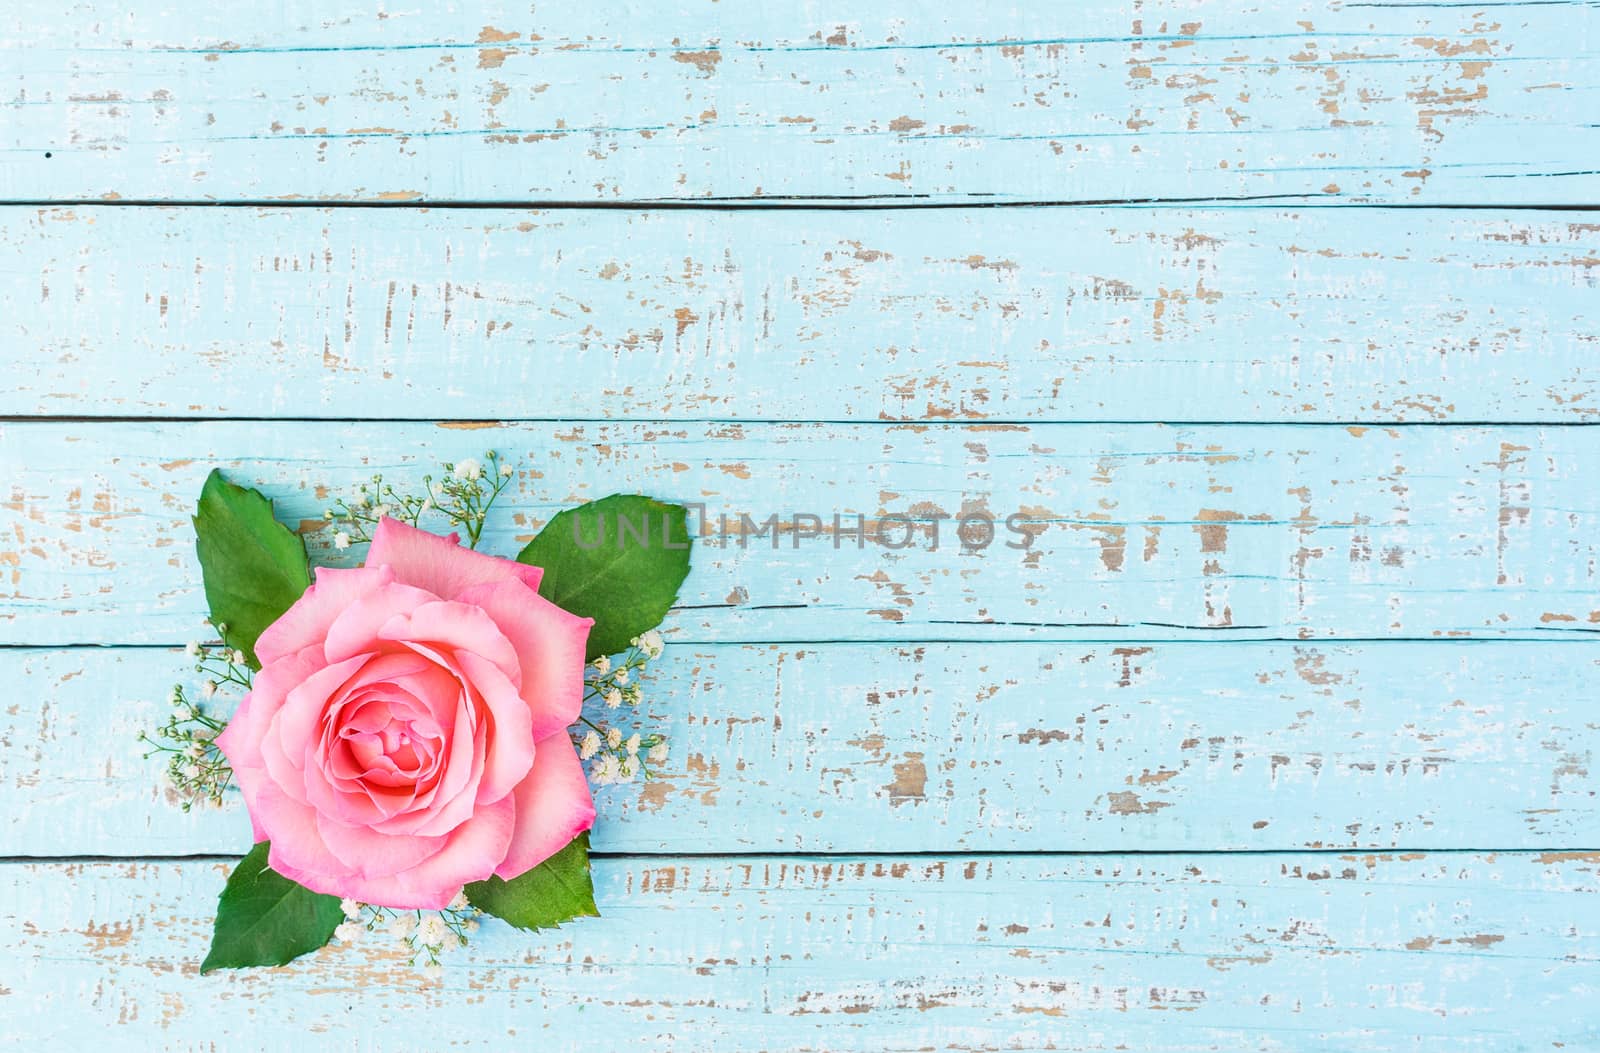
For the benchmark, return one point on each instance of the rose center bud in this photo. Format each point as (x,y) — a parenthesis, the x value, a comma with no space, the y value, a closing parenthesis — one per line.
(385,743)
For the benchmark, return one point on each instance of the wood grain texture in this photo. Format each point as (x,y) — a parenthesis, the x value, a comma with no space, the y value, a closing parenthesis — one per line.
(697,101)
(1131,531)
(1041,315)
(1457,951)
(1206,766)
(952,747)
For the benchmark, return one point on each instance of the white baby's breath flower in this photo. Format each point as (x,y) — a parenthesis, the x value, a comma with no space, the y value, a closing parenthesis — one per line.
(632,745)
(352,909)
(627,768)
(432,930)
(506,471)
(349,931)
(196,750)
(401,926)
(589,747)
(460,902)
(468,470)
(607,770)
(381,511)
(621,677)
(175,696)
(602,665)
(237,658)
(613,737)
(341,540)
(192,648)
(613,698)
(658,753)
(208,689)
(650,643)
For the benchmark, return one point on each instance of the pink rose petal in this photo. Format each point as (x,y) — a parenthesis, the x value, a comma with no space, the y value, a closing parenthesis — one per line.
(241,740)
(550,644)
(509,737)
(306,621)
(373,854)
(355,629)
(298,851)
(553,806)
(439,564)
(294,728)
(468,856)
(451,626)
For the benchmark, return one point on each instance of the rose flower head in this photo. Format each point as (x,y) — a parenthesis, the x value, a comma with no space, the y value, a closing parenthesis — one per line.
(407,732)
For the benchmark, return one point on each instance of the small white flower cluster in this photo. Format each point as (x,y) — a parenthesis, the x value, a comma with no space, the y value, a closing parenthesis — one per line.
(197,770)
(614,757)
(463,496)
(425,934)
(617,759)
(614,683)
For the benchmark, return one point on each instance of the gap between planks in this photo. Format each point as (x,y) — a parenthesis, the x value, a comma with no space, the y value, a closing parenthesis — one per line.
(471,423)
(864,203)
(1155,853)
(893,644)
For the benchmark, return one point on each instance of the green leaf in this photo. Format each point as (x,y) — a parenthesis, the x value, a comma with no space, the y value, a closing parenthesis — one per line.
(254,566)
(618,560)
(557,890)
(263,918)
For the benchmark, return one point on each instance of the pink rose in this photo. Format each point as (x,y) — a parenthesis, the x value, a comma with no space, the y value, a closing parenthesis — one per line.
(407,732)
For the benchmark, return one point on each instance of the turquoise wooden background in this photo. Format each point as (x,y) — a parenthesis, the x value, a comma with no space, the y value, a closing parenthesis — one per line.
(1279,318)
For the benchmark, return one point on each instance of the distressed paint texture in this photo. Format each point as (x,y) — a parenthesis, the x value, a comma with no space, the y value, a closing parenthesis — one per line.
(700,100)
(1132,531)
(1447,952)
(953,747)
(1038,315)
(1276,736)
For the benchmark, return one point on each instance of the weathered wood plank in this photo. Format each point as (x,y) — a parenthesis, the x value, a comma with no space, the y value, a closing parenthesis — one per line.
(1452,952)
(1047,315)
(695,100)
(954,747)
(1136,531)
